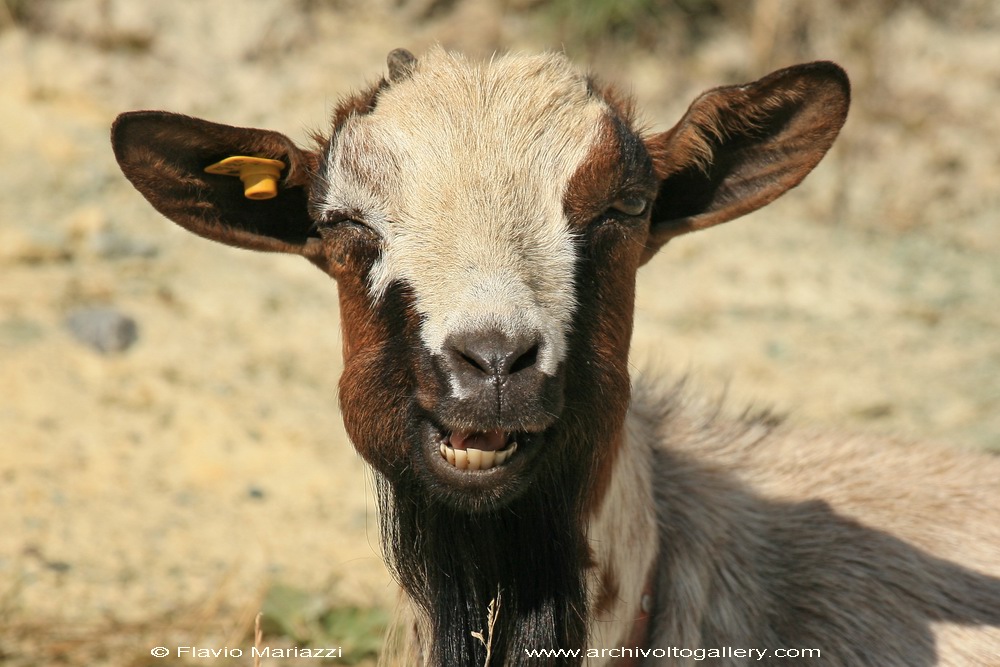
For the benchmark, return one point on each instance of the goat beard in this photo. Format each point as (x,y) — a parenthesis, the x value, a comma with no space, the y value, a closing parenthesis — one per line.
(527,558)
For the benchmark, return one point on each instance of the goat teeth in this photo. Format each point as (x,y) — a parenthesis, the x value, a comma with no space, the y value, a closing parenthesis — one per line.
(488,460)
(504,454)
(475,458)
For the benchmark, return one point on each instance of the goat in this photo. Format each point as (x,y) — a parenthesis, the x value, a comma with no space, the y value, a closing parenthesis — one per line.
(484,223)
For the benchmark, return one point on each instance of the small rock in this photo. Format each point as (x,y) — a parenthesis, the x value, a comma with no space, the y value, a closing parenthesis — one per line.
(104,329)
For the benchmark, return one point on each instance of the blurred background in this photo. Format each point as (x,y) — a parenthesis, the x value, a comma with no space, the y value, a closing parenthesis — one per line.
(171,453)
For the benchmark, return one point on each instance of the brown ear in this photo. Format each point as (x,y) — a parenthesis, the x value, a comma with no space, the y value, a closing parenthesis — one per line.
(740,147)
(164,155)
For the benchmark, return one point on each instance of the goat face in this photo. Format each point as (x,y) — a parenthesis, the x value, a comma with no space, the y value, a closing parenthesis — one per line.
(463,211)
(484,223)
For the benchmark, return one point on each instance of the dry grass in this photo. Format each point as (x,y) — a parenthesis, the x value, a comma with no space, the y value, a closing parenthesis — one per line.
(115,643)
(486,636)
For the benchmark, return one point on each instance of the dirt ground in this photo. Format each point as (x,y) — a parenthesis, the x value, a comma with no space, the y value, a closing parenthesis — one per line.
(153,496)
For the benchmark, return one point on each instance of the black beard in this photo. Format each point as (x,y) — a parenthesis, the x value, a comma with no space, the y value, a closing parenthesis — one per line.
(528,557)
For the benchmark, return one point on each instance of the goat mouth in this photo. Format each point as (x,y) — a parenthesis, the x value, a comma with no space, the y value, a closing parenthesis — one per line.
(477,450)
(476,469)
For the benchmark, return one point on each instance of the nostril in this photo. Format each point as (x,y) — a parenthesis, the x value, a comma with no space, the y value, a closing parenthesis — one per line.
(492,354)
(526,360)
(478,364)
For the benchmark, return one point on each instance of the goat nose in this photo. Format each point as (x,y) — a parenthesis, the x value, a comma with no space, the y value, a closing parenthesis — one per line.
(494,380)
(493,354)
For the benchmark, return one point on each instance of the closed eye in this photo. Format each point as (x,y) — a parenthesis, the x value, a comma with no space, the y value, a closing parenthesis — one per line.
(633,206)
(334,222)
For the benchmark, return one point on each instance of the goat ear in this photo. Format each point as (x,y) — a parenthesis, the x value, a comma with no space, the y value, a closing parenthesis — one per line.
(164,155)
(740,147)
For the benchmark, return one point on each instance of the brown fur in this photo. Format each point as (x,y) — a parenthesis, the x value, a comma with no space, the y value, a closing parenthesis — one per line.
(804,105)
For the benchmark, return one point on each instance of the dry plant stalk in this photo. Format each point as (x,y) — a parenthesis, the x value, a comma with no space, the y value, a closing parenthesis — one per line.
(492,611)
(258,637)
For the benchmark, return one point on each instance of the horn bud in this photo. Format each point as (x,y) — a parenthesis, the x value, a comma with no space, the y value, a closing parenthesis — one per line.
(401,65)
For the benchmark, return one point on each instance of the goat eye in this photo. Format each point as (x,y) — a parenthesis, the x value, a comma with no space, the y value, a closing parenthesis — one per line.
(632,206)
(332,223)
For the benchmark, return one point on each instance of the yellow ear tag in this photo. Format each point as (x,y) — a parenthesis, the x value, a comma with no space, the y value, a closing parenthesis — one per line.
(259,175)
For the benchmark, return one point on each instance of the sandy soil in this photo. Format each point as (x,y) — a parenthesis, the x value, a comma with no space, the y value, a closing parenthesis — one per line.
(151,497)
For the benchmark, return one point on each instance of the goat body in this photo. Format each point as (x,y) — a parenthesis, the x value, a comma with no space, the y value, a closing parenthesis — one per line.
(484,223)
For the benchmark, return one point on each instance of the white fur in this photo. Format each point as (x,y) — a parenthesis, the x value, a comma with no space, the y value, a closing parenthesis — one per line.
(462,170)
(623,539)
